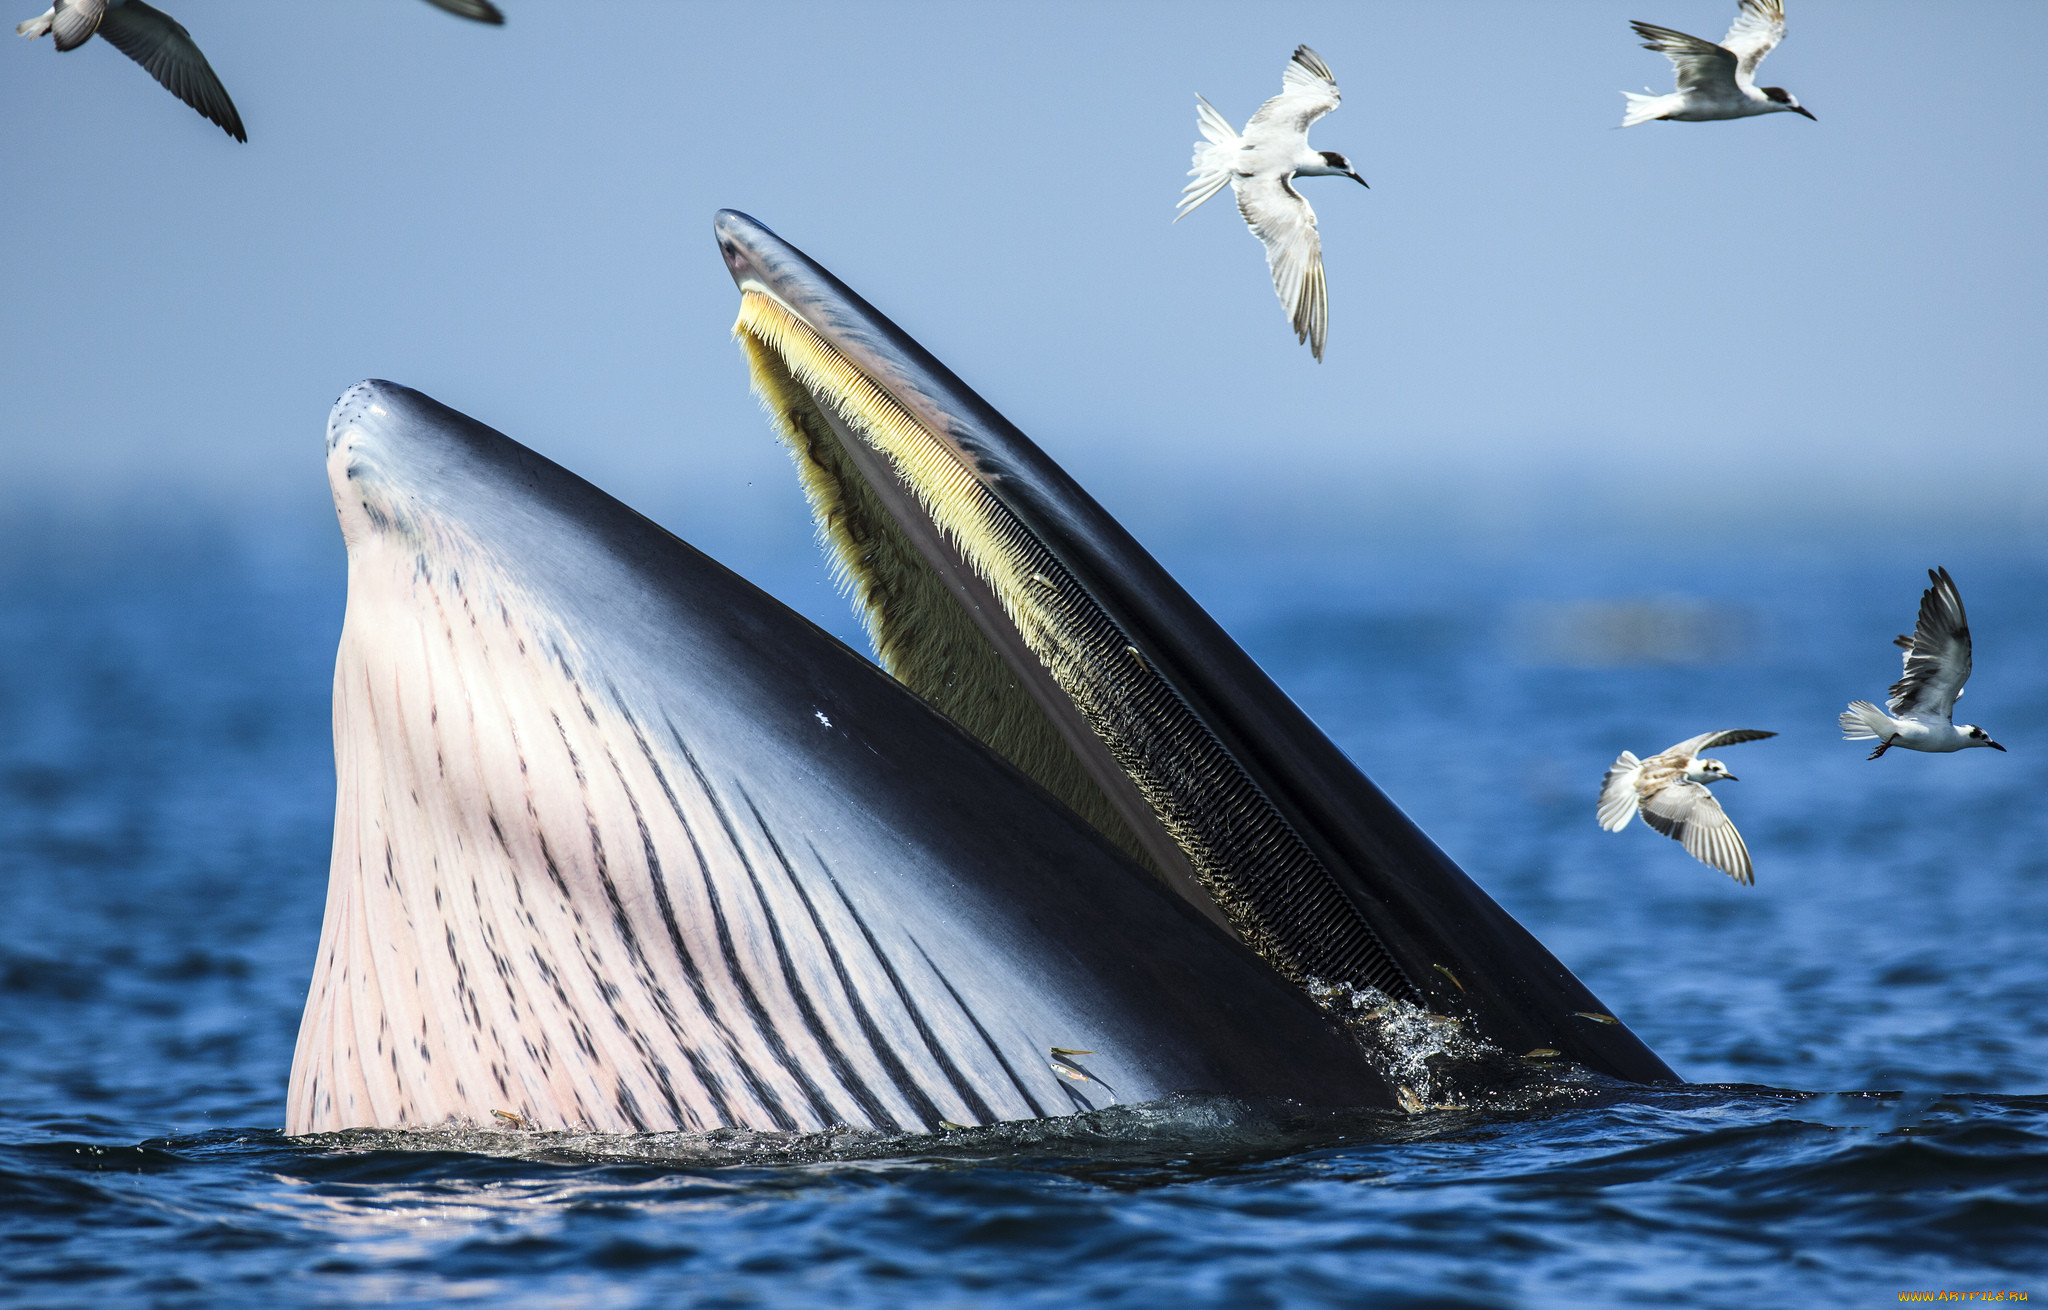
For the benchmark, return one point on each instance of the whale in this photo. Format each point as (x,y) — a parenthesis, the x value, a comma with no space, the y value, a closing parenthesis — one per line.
(623,844)
(993,585)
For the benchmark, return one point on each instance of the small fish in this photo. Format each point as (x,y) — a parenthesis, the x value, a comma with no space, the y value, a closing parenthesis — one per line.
(950,1126)
(1444,1019)
(1596,1018)
(1066,1066)
(1541,1053)
(510,1120)
(1376,1013)
(1041,579)
(1409,1100)
(1448,974)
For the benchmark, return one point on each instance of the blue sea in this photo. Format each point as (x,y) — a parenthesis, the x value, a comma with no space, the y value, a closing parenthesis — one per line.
(1864,1030)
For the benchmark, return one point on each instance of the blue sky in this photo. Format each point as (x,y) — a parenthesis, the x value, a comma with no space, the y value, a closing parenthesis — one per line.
(1764,327)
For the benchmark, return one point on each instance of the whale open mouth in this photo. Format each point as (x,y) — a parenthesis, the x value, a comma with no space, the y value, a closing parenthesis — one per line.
(622,843)
(1001,593)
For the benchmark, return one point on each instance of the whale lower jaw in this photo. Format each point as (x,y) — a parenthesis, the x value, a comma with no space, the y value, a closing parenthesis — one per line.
(545,909)
(622,844)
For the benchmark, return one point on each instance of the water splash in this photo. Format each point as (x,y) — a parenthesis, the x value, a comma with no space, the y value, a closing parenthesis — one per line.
(1435,1064)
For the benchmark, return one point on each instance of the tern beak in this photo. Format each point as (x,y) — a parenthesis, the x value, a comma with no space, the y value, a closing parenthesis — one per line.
(1801,109)
(1994,745)
(1729,777)
(1361,181)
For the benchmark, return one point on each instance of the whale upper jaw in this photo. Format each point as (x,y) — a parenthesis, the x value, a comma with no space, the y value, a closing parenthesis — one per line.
(996,588)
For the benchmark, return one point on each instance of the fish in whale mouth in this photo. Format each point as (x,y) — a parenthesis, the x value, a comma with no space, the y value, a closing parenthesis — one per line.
(995,588)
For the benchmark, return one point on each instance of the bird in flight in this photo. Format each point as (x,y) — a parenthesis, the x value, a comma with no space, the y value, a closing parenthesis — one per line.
(151,38)
(161,45)
(482,11)
(1260,165)
(1670,792)
(1716,81)
(1923,700)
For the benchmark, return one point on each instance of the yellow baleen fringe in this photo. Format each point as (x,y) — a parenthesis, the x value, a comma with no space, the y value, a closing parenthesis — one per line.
(922,636)
(949,492)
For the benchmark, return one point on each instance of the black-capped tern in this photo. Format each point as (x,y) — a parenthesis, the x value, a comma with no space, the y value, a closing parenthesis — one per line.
(1716,81)
(1260,165)
(1923,700)
(151,38)
(1670,792)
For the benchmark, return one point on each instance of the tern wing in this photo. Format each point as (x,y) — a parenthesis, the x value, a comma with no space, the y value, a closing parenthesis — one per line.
(1687,813)
(1308,90)
(1759,26)
(1280,218)
(482,11)
(1701,64)
(1706,741)
(1938,661)
(72,22)
(155,40)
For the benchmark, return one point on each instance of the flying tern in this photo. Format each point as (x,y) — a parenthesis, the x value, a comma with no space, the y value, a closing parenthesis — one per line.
(1716,81)
(481,11)
(151,38)
(1670,792)
(1260,165)
(1923,700)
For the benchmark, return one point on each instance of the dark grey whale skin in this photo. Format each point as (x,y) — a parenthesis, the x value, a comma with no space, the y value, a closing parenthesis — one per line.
(1006,881)
(1459,952)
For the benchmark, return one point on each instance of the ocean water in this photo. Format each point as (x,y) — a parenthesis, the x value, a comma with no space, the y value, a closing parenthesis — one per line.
(1864,1032)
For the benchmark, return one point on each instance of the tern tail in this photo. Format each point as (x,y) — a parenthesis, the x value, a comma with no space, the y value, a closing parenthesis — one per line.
(1212,170)
(1618,792)
(1863,720)
(1641,109)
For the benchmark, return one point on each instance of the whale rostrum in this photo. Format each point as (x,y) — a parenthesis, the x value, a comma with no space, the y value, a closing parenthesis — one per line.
(622,843)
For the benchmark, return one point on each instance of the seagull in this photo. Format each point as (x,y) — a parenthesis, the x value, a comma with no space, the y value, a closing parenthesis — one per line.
(1260,166)
(1924,698)
(1670,791)
(481,11)
(151,38)
(1717,81)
